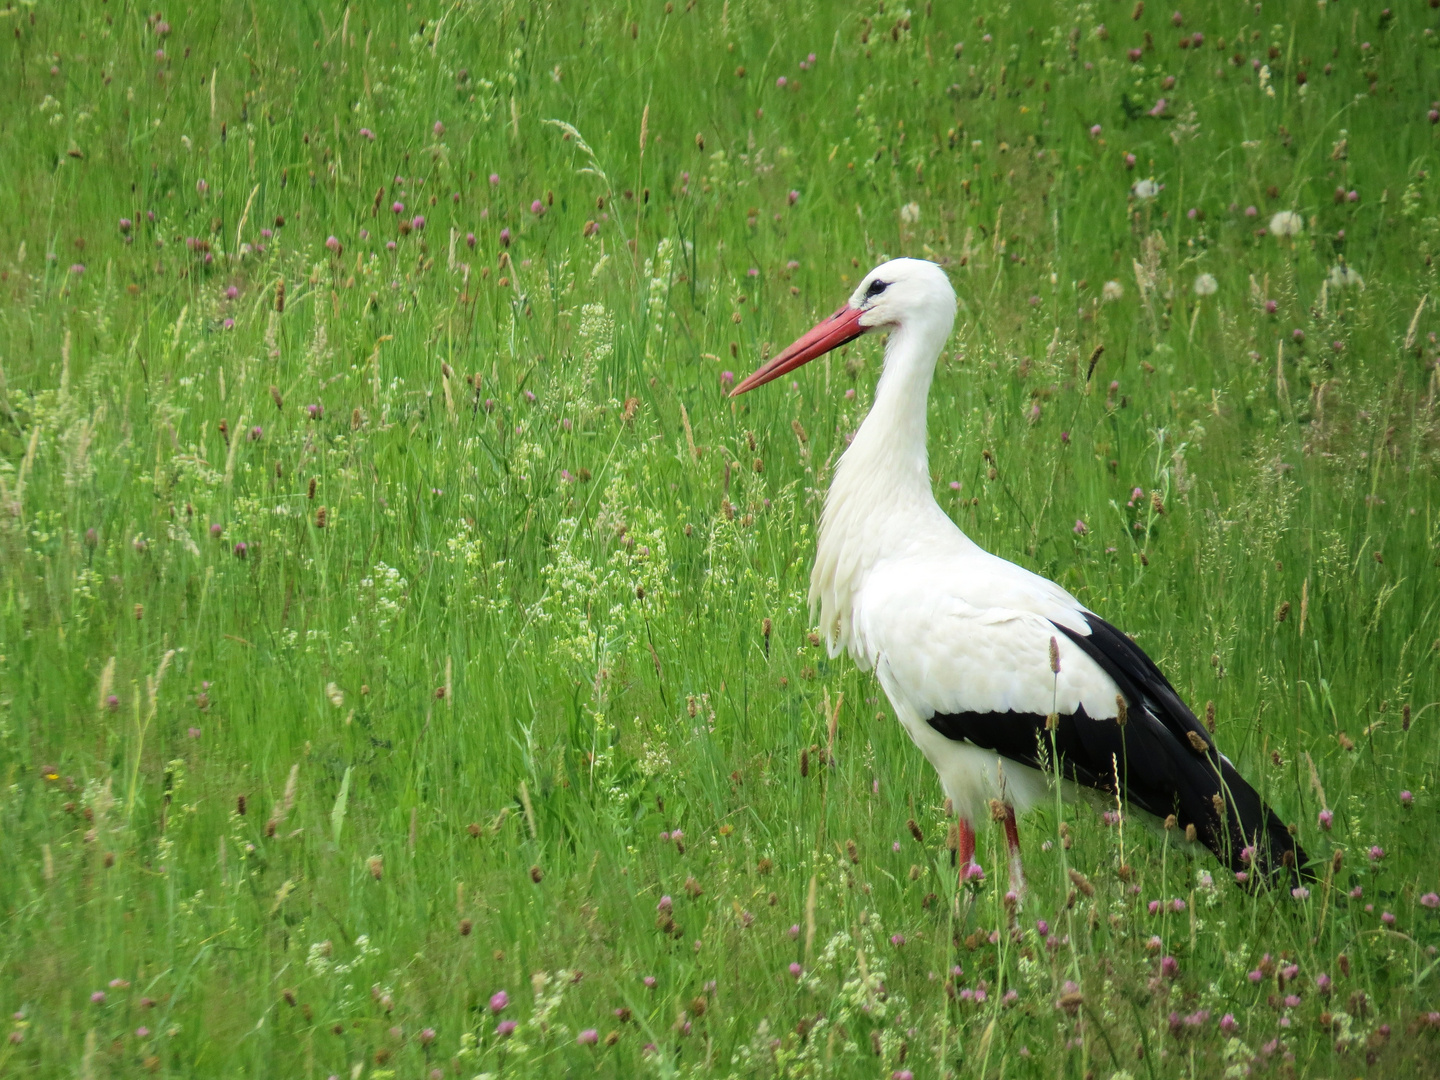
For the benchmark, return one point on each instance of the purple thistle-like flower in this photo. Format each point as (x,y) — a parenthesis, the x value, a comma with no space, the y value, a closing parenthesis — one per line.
(470,239)
(1407,800)
(228,323)
(241,549)
(794,931)
(665,905)
(588,1037)
(417,222)
(1430,900)
(201,186)
(397,207)
(216,529)
(897,940)
(1327,818)
(257,433)
(505,237)
(1228,1024)
(1080,528)
(193,732)
(795,969)
(366,133)
(333,245)
(77,269)
(126,224)
(537,207)
(727,380)
(438,129)
(649,982)
(505,1028)
(781,82)
(98,997)
(1169,967)
(1298,335)
(1376,853)
(499,1000)
(1095,130)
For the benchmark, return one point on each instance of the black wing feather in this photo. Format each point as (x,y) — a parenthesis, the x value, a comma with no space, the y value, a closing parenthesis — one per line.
(1159,766)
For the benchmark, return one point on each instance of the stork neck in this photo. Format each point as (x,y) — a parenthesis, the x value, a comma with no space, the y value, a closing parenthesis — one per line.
(881,500)
(891,440)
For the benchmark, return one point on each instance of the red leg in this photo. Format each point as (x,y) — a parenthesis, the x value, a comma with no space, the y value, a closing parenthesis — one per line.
(1012,841)
(967,850)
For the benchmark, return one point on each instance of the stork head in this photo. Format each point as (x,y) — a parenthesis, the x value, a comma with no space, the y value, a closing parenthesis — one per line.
(893,296)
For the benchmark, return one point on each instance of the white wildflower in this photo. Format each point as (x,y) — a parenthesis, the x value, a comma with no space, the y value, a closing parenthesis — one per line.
(1111,290)
(335,694)
(1342,277)
(1146,189)
(1206,285)
(1287,223)
(910,213)
(597,332)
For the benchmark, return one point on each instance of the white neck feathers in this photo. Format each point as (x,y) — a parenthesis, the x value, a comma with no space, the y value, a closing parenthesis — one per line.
(880,504)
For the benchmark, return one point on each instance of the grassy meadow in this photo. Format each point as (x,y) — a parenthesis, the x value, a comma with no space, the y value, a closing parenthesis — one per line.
(405,660)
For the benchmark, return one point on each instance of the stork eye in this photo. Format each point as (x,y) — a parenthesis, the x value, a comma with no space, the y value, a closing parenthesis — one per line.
(877,287)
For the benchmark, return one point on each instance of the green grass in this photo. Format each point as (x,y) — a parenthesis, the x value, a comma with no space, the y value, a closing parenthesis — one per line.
(422,743)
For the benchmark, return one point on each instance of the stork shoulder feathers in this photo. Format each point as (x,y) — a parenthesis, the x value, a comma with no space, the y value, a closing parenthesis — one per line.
(977,641)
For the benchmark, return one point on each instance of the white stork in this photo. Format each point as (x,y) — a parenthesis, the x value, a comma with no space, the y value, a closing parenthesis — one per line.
(977,654)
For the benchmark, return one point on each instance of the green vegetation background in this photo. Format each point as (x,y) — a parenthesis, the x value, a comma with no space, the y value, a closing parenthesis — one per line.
(389,618)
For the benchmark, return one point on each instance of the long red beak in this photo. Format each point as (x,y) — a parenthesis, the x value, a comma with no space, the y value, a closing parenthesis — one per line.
(835,331)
